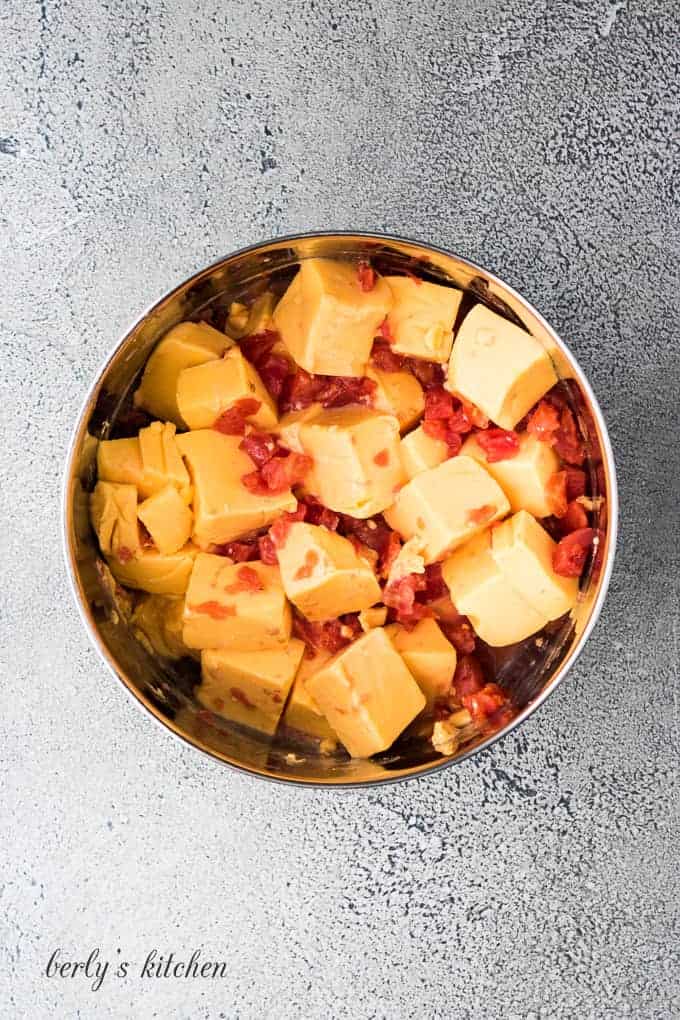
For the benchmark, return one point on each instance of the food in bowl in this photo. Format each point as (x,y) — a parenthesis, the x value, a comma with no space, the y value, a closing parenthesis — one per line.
(340,498)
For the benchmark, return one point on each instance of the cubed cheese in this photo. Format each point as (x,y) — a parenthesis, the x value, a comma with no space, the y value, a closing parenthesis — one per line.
(158,622)
(367,694)
(167,518)
(302,713)
(398,393)
(223,508)
(523,478)
(149,462)
(499,367)
(327,321)
(120,461)
(420,452)
(245,321)
(288,429)
(205,391)
(156,573)
(249,688)
(483,593)
(429,656)
(357,464)
(189,343)
(373,617)
(113,511)
(523,550)
(422,317)
(227,608)
(446,505)
(323,575)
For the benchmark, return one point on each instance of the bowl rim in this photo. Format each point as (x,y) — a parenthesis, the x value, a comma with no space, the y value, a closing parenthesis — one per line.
(419,772)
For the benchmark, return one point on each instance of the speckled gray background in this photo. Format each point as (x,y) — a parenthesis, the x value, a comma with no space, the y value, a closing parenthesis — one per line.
(138,141)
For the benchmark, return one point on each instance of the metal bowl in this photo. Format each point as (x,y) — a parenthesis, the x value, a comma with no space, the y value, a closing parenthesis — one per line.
(529,671)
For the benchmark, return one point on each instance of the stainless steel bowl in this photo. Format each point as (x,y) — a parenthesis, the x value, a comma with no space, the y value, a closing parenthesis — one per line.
(529,671)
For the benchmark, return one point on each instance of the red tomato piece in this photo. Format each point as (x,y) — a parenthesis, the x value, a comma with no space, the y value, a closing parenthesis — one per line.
(233,421)
(438,404)
(239,552)
(567,442)
(435,586)
(458,630)
(576,482)
(544,421)
(575,518)
(483,703)
(498,444)
(468,677)
(260,447)
(281,526)
(385,359)
(441,430)
(366,275)
(385,332)
(401,596)
(267,550)
(571,552)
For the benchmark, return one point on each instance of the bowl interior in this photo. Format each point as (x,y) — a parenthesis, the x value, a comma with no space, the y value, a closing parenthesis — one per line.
(528,670)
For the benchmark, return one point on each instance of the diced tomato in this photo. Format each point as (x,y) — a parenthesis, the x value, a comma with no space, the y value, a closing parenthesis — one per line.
(438,404)
(385,359)
(485,702)
(543,422)
(278,474)
(401,596)
(499,719)
(567,442)
(281,526)
(267,550)
(366,275)
(572,551)
(239,552)
(385,332)
(428,373)
(498,444)
(247,579)
(476,417)
(480,514)
(339,391)
(556,493)
(257,346)
(576,482)
(317,513)
(441,430)
(468,677)
(382,458)
(389,553)
(260,447)
(330,636)
(435,586)
(575,518)
(215,610)
(232,422)
(458,630)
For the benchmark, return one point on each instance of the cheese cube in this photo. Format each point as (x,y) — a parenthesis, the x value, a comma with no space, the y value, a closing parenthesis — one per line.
(167,518)
(189,343)
(323,575)
(357,464)
(375,616)
(499,367)
(288,428)
(162,462)
(483,593)
(367,694)
(327,321)
(205,391)
(223,508)
(302,712)
(157,622)
(422,317)
(398,393)
(224,610)
(523,478)
(158,574)
(113,511)
(420,452)
(150,461)
(244,321)
(523,550)
(429,656)
(249,688)
(446,505)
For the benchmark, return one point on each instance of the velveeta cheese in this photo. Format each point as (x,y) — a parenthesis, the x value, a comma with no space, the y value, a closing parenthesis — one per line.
(327,321)
(249,688)
(420,452)
(525,477)
(357,464)
(150,461)
(113,511)
(188,343)
(155,573)
(302,713)
(429,655)
(288,428)
(482,592)
(446,505)
(241,607)
(422,317)
(205,391)
(167,518)
(374,616)
(323,575)
(499,367)
(398,393)
(367,694)
(523,550)
(223,508)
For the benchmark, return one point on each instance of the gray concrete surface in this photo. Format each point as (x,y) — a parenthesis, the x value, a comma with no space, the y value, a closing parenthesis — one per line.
(138,142)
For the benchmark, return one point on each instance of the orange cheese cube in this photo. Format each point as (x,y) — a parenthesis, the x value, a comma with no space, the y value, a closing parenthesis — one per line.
(429,656)
(113,511)
(150,461)
(302,713)
(205,391)
(422,317)
(398,393)
(327,321)
(420,452)
(523,478)
(167,518)
(523,550)
(156,573)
